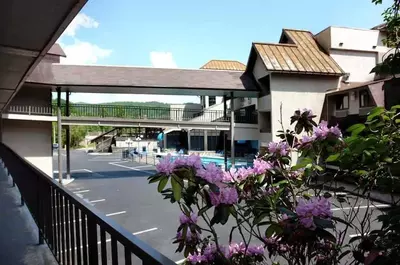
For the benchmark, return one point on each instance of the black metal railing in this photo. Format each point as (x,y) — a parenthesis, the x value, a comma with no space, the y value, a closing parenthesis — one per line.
(140,112)
(29,110)
(136,112)
(75,232)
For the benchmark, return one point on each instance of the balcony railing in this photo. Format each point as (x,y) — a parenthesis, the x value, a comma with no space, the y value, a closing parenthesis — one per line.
(135,112)
(75,232)
(29,110)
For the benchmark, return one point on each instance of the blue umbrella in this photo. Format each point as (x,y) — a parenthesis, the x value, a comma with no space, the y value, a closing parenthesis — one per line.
(160,137)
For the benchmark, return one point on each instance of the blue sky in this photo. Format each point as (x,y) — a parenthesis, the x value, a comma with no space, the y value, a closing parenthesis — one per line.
(187,34)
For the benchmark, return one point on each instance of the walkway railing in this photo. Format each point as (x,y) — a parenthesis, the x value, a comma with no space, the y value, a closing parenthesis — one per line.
(134,112)
(75,232)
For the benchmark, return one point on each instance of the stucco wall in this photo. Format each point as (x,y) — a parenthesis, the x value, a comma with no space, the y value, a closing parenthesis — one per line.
(297,92)
(246,132)
(357,63)
(31,140)
(356,39)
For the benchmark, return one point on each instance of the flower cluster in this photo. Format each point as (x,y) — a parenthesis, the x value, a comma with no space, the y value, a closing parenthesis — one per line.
(191,237)
(168,164)
(225,195)
(260,166)
(321,132)
(315,207)
(281,148)
(211,173)
(184,219)
(240,249)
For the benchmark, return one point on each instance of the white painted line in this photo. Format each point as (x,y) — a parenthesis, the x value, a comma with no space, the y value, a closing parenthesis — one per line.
(361,207)
(180,261)
(144,231)
(136,233)
(132,168)
(81,191)
(354,235)
(100,200)
(87,170)
(117,213)
(142,166)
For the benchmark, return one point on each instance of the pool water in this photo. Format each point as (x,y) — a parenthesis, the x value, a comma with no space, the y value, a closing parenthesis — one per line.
(219,161)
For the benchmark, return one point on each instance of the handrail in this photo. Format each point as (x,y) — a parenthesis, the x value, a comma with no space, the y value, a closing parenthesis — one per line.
(75,231)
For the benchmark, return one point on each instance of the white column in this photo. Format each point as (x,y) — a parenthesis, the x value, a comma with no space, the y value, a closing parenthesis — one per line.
(189,144)
(205,136)
(232,123)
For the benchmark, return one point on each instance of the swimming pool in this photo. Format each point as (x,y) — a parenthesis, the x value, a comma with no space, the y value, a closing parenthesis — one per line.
(219,161)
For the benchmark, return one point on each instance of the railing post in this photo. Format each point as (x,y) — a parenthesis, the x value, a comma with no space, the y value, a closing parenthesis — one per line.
(39,211)
(29,110)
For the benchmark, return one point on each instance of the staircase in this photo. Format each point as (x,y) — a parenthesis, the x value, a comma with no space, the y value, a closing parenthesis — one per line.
(105,145)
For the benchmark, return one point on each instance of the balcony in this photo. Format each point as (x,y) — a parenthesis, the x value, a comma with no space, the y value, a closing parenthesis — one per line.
(74,231)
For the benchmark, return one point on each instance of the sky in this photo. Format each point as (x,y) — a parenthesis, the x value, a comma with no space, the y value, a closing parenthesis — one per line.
(187,34)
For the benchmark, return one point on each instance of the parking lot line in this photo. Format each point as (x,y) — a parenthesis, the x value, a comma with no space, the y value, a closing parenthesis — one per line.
(145,231)
(361,207)
(132,168)
(99,200)
(81,191)
(116,213)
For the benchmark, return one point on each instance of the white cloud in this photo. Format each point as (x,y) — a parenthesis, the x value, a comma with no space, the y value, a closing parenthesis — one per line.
(81,20)
(82,52)
(162,60)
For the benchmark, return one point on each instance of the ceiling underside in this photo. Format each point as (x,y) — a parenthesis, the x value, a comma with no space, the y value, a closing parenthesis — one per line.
(28,30)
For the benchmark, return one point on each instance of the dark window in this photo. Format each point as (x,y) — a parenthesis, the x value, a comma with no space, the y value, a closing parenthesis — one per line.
(211,101)
(342,102)
(265,121)
(365,99)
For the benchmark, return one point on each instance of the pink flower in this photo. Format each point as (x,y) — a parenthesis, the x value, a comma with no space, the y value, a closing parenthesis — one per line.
(322,131)
(260,166)
(191,237)
(282,148)
(194,160)
(309,112)
(225,195)
(315,207)
(252,250)
(211,173)
(196,258)
(307,139)
(166,166)
(184,219)
(180,161)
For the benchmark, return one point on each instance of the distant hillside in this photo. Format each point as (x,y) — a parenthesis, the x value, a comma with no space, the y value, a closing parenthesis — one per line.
(122,103)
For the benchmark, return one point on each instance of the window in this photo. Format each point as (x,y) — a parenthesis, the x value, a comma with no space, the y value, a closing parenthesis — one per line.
(211,101)
(365,99)
(342,102)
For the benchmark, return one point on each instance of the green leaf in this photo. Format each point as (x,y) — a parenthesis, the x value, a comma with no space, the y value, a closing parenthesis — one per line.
(356,129)
(273,229)
(203,210)
(161,185)
(319,168)
(397,120)
(375,112)
(388,159)
(155,178)
(323,223)
(176,188)
(395,107)
(260,178)
(333,157)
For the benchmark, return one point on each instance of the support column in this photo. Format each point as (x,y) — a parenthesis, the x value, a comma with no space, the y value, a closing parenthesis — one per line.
(189,141)
(165,141)
(225,112)
(225,153)
(68,137)
(59,132)
(232,123)
(205,140)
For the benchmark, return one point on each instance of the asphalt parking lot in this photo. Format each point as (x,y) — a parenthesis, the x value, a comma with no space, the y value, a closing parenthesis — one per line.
(121,191)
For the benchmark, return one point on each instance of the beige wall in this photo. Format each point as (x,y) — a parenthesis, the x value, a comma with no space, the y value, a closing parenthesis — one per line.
(357,63)
(31,140)
(246,131)
(297,92)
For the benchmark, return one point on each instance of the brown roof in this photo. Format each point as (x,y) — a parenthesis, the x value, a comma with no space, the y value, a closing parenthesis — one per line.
(298,52)
(224,65)
(353,85)
(57,50)
(140,77)
(380,27)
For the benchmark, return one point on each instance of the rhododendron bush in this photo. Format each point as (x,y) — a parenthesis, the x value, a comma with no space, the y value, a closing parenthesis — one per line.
(275,210)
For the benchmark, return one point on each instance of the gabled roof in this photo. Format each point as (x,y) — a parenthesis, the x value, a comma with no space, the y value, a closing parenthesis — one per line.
(297,52)
(224,65)
(57,50)
(381,27)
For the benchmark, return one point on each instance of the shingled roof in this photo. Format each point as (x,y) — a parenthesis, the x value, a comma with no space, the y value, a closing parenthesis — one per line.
(297,52)
(224,65)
